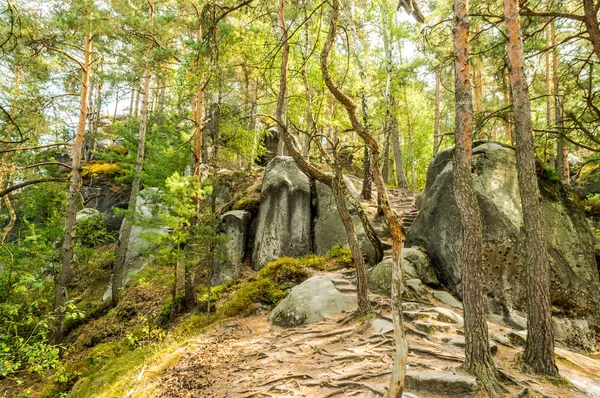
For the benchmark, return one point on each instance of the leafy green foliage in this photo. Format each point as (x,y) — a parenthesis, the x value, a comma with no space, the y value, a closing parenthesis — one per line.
(25,328)
(92,231)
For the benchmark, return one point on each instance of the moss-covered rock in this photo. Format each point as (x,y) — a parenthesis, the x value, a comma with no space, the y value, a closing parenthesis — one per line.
(575,287)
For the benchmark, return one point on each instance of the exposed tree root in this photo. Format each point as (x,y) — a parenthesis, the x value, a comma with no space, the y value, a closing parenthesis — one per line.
(353,384)
(488,376)
(300,376)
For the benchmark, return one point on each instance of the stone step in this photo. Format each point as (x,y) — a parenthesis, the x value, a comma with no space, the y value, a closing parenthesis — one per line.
(420,315)
(432,327)
(346,289)
(443,383)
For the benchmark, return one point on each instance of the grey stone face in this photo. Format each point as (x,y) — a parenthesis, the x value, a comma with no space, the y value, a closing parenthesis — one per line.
(573,270)
(312,301)
(227,264)
(149,206)
(329,229)
(416,264)
(284,217)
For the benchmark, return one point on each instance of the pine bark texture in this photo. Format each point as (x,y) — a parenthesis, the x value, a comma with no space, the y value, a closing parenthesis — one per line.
(478,358)
(539,349)
(591,24)
(64,277)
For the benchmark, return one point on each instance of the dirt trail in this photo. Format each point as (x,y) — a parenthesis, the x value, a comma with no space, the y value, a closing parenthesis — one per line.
(250,358)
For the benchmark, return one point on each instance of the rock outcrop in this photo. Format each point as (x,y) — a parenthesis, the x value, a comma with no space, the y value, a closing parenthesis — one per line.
(148,208)
(284,217)
(417,267)
(312,301)
(329,229)
(574,274)
(227,264)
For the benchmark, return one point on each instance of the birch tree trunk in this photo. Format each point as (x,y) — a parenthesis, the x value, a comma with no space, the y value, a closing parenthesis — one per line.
(64,277)
(539,348)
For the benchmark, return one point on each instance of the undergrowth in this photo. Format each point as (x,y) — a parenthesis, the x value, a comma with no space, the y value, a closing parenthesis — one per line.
(127,338)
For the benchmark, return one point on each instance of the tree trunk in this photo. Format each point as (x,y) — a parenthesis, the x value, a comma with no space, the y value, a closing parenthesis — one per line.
(199,130)
(506,95)
(367,175)
(391,122)
(591,24)
(367,159)
(5,169)
(310,121)
(136,104)
(411,152)
(398,159)
(252,125)
(394,220)
(539,349)
(335,181)
(131,97)
(357,254)
(95,123)
(562,149)
(191,298)
(478,84)
(64,277)
(436,123)
(125,233)
(285,52)
(478,358)
(174,287)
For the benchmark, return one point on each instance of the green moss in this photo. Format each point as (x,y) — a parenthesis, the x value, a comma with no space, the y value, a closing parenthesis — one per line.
(106,377)
(548,174)
(247,204)
(244,301)
(285,271)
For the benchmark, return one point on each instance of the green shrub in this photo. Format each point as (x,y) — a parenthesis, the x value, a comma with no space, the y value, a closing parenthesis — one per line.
(341,256)
(548,174)
(92,231)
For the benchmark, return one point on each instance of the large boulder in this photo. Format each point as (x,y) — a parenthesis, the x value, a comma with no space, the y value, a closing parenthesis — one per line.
(574,274)
(311,301)
(149,206)
(416,265)
(228,263)
(284,217)
(329,229)
(88,214)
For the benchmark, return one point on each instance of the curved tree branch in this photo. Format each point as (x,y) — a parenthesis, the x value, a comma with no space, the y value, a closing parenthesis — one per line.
(27,183)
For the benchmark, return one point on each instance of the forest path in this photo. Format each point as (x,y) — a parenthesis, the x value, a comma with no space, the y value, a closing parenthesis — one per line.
(250,358)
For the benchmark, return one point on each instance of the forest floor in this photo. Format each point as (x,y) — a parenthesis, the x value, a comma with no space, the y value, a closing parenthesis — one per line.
(248,357)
